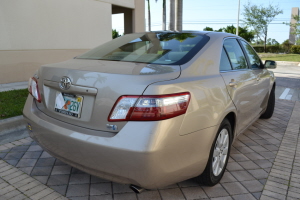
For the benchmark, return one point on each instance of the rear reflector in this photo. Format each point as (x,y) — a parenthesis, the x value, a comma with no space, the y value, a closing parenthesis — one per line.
(34,89)
(149,108)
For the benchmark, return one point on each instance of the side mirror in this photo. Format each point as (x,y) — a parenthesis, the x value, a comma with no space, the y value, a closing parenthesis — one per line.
(270,64)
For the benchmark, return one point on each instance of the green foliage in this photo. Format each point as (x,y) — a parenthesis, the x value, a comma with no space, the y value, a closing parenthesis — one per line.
(12,103)
(269,48)
(286,45)
(243,32)
(115,33)
(259,18)
(295,49)
(280,57)
(271,41)
(208,29)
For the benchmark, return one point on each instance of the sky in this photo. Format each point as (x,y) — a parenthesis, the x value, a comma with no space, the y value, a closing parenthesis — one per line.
(197,14)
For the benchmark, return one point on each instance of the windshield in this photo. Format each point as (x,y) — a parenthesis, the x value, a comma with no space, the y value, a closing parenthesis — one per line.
(153,47)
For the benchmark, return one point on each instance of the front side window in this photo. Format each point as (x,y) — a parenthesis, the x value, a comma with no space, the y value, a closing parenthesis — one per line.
(235,54)
(253,57)
(153,47)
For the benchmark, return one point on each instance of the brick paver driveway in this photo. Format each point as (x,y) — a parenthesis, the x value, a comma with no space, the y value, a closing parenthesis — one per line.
(264,164)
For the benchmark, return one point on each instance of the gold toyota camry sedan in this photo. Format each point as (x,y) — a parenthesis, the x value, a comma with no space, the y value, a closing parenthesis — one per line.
(151,109)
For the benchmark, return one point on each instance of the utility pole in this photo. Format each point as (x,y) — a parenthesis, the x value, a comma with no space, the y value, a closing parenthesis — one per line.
(172,15)
(238,20)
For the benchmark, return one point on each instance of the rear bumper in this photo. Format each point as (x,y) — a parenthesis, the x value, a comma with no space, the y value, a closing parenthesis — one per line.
(147,154)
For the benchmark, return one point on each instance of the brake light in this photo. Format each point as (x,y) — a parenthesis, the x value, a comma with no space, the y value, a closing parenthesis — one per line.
(149,107)
(34,89)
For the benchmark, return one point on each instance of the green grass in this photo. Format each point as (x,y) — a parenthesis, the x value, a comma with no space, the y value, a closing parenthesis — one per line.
(12,103)
(280,57)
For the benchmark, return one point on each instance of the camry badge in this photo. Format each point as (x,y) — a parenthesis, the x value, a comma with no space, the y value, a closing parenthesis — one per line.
(65,83)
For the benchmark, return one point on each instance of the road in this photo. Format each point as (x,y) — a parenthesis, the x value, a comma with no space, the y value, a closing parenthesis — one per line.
(287,82)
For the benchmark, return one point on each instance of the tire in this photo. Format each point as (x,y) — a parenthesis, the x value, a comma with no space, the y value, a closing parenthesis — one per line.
(218,160)
(270,107)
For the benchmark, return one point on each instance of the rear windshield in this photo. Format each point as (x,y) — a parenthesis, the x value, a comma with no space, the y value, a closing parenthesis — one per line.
(153,47)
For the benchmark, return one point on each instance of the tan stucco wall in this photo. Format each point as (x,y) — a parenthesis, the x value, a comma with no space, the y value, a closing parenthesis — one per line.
(17,66)
(36,32)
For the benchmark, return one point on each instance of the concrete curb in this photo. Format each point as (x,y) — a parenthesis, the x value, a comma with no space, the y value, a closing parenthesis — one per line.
(12,124)
(288,63)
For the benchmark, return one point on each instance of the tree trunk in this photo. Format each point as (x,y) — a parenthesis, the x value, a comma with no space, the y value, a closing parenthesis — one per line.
(172,15)
(178,15)
(164,17)
(265,47)
(149,16)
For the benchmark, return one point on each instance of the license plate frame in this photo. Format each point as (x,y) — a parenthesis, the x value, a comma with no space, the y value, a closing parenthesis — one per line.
(72,107)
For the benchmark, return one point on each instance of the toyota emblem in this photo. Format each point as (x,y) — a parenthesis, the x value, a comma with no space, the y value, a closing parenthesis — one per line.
(65,83)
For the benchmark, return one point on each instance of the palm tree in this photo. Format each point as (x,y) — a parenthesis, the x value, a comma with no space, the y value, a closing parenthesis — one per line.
(164,17)
(149,16)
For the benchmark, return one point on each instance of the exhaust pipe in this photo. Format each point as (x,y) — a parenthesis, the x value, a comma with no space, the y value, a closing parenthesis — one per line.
(136,189)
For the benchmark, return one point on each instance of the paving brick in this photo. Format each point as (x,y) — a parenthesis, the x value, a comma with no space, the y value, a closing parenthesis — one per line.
(45,155)
(61,170)
(105,197)
(128,196)
(215,191)
(18,178)
(121,188)
(227,177)
(35,148)
(26,162)
(242,175)
(257,195)
(78,190)
(239,157)
(234,188)
(275,189)
(29,186)
(273,194)
(243,197)
(258,173)
(100,188)
(60,179)
(233,166)
(41,171)
(10,194)
(42,179)
(52,196)
(194,193)
(149,195)
(13,155)
(61,189)
(249,165)
(172,194)
(41,194)
(79,178)
(45,162)
(253,186)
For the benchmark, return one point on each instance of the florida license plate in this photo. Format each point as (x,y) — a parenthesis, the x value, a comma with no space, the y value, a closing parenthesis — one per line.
(70,104)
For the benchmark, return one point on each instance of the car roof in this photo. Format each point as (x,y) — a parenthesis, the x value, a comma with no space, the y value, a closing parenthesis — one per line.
(208,33)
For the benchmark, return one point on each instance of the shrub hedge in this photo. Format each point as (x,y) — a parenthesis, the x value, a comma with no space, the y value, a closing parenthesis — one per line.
(295,49)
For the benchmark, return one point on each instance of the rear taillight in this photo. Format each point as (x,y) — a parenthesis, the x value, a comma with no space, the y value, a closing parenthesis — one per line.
(34,89)
(149,108)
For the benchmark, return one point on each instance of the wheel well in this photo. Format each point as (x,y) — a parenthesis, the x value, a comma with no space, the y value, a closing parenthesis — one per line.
(232,119)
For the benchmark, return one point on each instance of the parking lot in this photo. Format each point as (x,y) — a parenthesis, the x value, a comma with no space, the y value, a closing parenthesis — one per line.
(264,163)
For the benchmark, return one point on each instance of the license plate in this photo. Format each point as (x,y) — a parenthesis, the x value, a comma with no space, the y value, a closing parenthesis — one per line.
(72,105)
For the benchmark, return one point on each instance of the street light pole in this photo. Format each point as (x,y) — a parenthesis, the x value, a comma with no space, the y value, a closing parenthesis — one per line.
(238,19)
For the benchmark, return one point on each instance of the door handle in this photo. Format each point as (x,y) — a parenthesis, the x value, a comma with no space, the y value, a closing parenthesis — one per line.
(232,83)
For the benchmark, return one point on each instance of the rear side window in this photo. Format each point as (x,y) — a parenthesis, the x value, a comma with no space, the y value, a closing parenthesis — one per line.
(224,64)
(153,47)
(235,54)
(253,57)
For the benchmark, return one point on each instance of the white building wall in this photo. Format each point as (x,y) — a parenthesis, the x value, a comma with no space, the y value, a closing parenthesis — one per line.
(54,24)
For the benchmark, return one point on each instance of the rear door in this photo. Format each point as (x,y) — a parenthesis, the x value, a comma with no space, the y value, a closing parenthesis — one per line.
(240,82)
